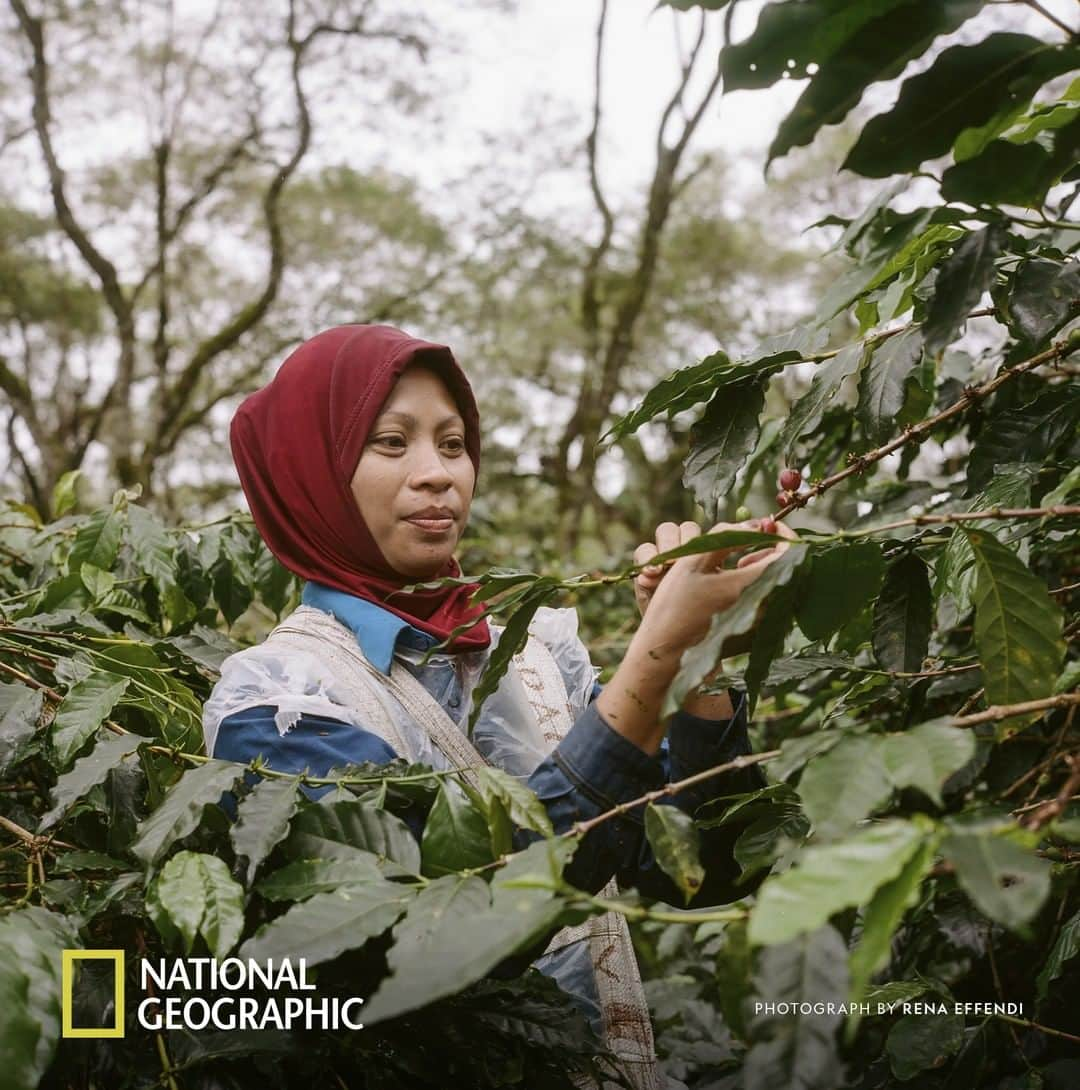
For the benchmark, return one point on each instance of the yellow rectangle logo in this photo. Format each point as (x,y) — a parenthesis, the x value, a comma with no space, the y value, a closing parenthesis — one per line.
(67,982)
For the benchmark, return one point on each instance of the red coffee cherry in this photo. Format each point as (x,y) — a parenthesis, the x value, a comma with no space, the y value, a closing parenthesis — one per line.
(790,479)
(783,499)
(768,526)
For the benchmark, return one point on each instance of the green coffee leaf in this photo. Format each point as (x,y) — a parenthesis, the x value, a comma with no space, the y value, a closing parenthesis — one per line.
(831,877)
(954,572)
(182,809)
(852,46)
(1041,296)
(903,616)
(1066,946)
(762,841)
(155,553)
(20,708)
(700,659)
(305,877)
(1002,875)
(86,705)
(97,540)
(63,493)
(328,924)
(262,820)
(796,752)
(722,441)
(341,830)
(511,640)
(806,413)
(691,386)
(841,581)
(919,1043)
(31,942)
(964,87)
(960,283)
(1028,434)
(200,897)
(1005,172)
(881,918)
(882,386)
(1017,625)
(857,763)
(88,772)
(455,834)
(523,808)
(457,930)
(676,845)
(796,1046)
(926,756)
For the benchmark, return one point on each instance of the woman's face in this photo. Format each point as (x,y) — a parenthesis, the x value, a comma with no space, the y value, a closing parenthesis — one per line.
(414,481)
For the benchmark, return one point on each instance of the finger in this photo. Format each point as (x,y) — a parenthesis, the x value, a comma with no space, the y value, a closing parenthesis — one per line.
(688,531)
(715,559)
(783,530)
(644,553)
(746,575)
(668,536)
(752,558)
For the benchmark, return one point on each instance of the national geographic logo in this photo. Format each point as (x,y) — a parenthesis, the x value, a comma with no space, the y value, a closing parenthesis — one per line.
(67,983)
(197,993)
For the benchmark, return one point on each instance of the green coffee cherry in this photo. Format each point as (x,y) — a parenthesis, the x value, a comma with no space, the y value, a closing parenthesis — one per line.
(742,514)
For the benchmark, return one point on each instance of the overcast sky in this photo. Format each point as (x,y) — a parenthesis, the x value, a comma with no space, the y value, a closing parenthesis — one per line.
(498,71)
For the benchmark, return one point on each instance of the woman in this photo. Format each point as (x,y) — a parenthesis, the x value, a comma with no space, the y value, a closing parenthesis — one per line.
(359,462)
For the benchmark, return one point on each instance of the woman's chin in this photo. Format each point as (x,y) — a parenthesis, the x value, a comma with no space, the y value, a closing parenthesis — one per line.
(421,569)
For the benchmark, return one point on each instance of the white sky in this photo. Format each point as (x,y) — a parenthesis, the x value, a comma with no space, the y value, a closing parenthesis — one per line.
(507,65)
(512,67)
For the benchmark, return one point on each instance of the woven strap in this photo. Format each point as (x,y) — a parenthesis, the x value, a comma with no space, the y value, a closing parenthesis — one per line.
(627,1028)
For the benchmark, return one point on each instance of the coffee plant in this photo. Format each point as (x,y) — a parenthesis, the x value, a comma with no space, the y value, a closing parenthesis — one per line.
(911,915)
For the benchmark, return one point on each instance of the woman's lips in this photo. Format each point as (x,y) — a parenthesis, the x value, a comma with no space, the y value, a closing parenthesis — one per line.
(432,525)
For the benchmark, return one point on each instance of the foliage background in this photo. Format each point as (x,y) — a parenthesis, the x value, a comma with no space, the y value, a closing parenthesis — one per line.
(916,649)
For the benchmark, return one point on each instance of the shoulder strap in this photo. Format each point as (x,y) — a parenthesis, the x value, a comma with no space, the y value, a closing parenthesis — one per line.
(627,1028)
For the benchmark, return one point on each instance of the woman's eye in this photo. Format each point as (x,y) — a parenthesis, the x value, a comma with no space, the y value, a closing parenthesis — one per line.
(395,442)
(454,444)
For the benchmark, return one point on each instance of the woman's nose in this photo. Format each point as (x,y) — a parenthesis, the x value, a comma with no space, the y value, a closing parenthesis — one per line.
(429,470)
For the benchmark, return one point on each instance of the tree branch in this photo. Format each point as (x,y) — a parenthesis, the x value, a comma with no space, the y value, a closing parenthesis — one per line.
(206,186)
(33,30)
(918,432)
(590,305)
(178,396)
(1060,24)
(1056,511)
(680,91)
(1006,711)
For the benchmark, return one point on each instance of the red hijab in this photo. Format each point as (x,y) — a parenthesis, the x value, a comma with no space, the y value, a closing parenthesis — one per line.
(296,443)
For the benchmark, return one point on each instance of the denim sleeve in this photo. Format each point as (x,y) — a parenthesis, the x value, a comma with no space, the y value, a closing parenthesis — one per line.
(315,745)
(594,768)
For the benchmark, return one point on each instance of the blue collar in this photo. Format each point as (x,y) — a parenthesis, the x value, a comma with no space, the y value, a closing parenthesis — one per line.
(377,630)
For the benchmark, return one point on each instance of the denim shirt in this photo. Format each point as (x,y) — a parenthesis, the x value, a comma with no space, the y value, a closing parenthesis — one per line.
(592,770)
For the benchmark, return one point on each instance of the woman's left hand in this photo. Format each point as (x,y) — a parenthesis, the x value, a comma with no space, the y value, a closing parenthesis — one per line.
(669,535)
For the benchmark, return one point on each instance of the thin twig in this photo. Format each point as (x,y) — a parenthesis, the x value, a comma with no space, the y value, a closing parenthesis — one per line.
(26,679)
(1060,24)
(1035,1025)
(1056,511)
(580,828)
(1005,711)
(1047,811)
(17,830)
(917,432)
(997,981)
